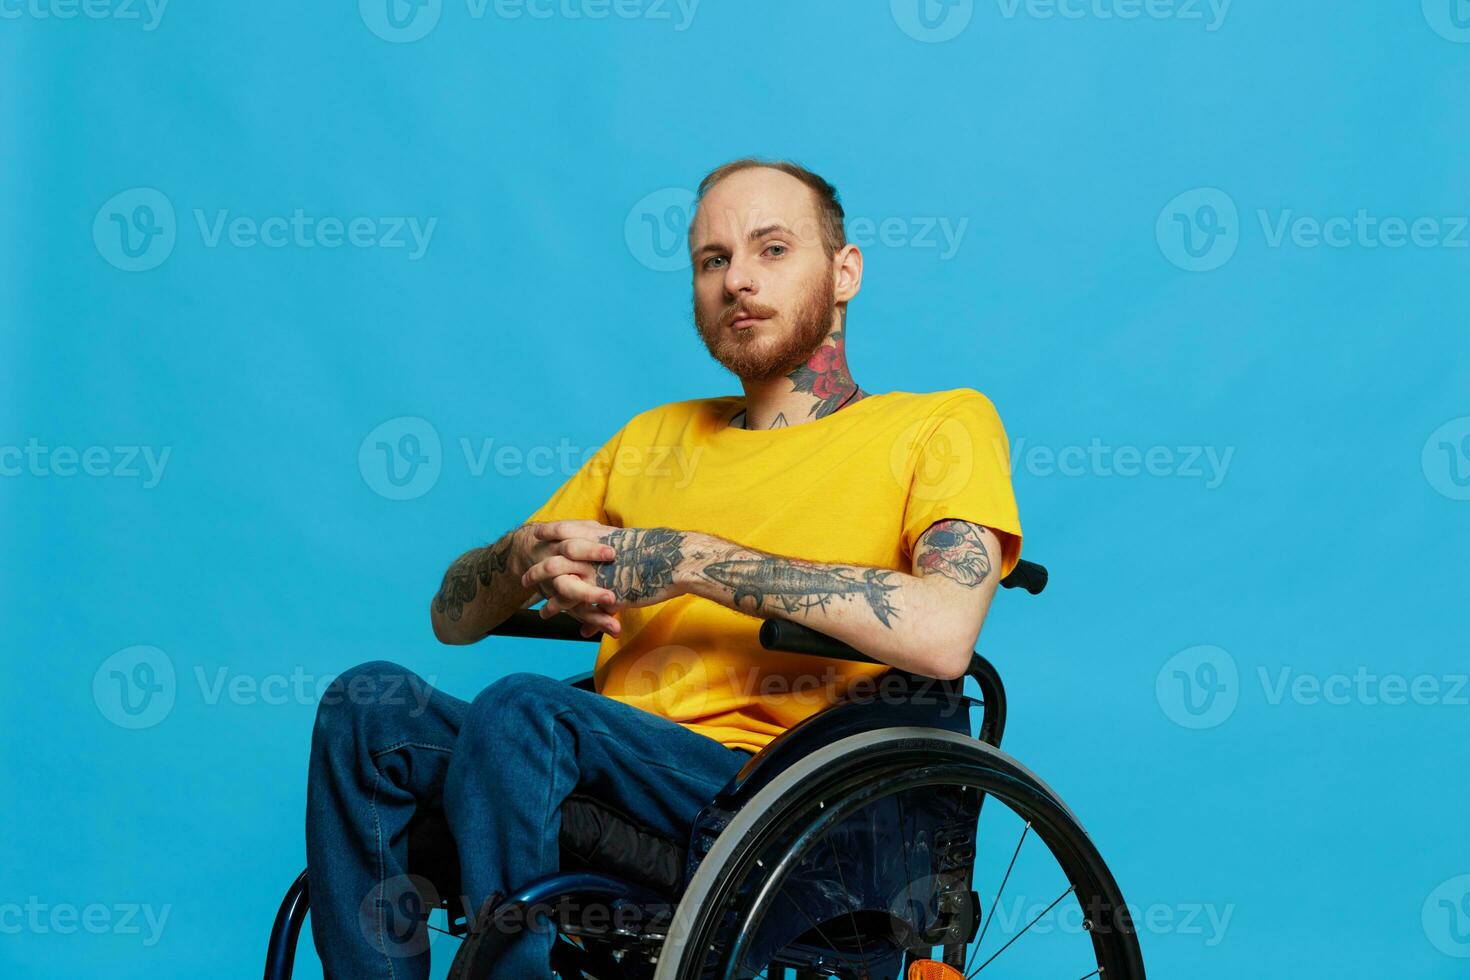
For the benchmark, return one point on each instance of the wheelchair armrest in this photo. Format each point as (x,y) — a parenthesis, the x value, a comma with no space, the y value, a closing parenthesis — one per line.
(782,634)
(530,624)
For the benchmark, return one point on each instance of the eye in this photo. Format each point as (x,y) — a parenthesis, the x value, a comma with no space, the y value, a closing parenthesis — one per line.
(782,249)
(712,258)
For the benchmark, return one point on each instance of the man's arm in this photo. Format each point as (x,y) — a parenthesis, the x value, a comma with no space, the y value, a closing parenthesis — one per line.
(926,622)
(483,586)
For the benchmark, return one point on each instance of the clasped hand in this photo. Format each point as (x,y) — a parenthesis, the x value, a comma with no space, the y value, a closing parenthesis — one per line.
(583,569)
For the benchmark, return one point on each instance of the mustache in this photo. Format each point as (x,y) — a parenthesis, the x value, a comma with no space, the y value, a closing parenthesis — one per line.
(748,309)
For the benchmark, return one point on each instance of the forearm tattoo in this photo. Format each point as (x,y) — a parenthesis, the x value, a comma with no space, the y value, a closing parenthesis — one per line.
(645,562)
(468,573)
(956,550)
(797,586)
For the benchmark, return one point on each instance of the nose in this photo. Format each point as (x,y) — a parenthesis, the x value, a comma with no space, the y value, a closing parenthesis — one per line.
(739,281)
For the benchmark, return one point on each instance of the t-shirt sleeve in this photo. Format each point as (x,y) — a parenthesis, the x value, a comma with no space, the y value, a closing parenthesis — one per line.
(962,471)
(583,497)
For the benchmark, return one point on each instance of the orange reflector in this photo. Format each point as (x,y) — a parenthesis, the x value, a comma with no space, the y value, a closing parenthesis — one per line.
(933,970)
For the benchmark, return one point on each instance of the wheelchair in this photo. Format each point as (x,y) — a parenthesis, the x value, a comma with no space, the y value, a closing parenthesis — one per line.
(851,846)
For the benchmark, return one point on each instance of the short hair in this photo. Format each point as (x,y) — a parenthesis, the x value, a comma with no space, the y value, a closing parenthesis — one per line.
(829,207)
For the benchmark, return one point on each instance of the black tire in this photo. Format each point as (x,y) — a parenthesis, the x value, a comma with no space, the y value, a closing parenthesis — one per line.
(742,869)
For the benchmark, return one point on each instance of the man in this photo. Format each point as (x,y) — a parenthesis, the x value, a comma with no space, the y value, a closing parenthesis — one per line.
(884,520)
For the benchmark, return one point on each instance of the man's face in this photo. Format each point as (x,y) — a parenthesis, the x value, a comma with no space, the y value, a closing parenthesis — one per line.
(763,283)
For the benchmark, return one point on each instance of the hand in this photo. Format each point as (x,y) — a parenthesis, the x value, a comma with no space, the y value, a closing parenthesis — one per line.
(648,565)
(562,564)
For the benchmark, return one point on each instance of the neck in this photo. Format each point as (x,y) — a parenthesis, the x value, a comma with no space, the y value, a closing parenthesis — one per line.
(815,389)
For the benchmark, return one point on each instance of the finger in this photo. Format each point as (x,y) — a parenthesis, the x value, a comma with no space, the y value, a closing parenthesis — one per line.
(559,530)
(555,566)
(572,590)
(587,549)
(596,619)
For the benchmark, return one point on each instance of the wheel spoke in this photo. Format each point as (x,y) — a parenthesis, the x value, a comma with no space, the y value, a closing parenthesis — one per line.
(985,927)
(856,931)
(1070,889)
(817,929)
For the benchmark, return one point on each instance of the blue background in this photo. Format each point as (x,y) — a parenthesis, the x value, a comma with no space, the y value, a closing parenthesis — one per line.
(1335,540)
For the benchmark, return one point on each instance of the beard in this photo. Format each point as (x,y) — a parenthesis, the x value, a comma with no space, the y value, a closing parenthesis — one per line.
(753,357)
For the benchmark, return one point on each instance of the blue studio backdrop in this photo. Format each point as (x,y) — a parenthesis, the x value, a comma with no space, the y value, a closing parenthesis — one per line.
(302,300)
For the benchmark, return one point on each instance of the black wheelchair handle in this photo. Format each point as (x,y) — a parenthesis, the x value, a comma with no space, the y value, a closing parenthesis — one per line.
(1026,575)
(529,623)
(789,637)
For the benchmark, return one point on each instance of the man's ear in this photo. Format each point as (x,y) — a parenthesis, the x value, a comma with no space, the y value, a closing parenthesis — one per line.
(847,273)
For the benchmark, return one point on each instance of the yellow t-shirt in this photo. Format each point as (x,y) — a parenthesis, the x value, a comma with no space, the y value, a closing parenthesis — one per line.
(856,487)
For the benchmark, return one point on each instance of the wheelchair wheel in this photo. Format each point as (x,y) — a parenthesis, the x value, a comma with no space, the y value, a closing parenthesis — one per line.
(869,857)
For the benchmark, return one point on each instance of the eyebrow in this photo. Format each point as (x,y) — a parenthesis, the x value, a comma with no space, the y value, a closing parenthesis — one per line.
(755,235)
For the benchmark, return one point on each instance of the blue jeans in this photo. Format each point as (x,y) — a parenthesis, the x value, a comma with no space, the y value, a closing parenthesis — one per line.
(500,766)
